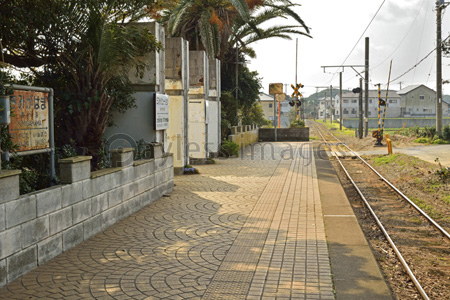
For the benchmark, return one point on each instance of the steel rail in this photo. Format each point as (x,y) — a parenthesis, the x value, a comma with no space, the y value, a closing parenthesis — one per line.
(380,225)
(424,214)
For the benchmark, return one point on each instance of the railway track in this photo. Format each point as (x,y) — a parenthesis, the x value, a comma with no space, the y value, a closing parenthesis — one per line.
(421,245)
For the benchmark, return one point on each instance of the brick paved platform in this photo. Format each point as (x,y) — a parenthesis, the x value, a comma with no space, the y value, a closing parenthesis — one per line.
(245,228)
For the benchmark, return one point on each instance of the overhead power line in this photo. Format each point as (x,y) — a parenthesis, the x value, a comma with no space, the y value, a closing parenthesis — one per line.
(356,44)
(417,64)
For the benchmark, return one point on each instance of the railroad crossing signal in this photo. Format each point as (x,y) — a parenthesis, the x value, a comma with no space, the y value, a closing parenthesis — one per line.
(296,93)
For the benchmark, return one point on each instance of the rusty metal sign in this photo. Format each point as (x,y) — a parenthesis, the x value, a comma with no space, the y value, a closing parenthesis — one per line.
(29,126)
(275,88)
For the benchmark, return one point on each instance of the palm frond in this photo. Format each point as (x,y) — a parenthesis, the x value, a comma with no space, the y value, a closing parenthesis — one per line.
(207,34)
(242,8)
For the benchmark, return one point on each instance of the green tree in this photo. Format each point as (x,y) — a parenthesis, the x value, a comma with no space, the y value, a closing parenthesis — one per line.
(85,50)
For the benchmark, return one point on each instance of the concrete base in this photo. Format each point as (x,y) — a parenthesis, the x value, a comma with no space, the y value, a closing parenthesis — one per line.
(284,134)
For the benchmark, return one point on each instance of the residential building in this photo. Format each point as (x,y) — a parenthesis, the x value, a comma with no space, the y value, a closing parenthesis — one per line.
(413,101)
(267,103)
(350,104)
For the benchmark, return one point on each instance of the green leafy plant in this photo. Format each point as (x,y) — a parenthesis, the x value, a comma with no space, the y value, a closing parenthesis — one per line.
(446,133)
(297,124)
(422,140)
(229,149)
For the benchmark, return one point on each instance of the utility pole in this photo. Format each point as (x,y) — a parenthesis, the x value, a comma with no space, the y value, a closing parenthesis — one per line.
(340,101)
(340,84)
(366,90)
(360,130)
(324,101)
(331,104)
(439,6)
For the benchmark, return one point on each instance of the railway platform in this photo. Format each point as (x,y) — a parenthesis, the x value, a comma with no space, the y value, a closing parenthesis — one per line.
(272,224)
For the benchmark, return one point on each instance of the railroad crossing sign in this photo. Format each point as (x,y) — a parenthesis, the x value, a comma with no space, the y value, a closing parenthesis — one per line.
(296,93)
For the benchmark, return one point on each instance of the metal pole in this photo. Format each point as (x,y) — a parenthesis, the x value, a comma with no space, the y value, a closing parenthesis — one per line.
(438,69)
(275,117)
(366,91)
(360,131)
(237,84)
(340,101)
(296,79)
(331,104)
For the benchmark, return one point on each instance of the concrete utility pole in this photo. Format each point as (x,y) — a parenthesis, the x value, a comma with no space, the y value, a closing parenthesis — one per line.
(324,101)
(439,6)
(331,104)
(366,90)
(360,130)
(340,83)
(340,100)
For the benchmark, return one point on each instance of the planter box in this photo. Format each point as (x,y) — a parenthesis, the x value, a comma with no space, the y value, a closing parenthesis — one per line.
(284,134)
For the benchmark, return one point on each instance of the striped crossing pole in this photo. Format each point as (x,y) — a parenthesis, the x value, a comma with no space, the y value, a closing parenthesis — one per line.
(387,94)
(379,116)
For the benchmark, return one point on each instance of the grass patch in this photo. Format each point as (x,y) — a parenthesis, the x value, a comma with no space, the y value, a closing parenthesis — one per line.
(425,207)
(334,127)
(446,199)
(385,159)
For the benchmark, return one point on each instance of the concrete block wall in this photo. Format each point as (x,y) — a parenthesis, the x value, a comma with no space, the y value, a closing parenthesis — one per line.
(36,227)
(244,135)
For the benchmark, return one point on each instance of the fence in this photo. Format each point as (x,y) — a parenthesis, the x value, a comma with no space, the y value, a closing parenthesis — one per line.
(38,226)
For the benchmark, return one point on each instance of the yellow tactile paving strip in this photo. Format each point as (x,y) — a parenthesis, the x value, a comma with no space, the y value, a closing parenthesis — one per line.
(246,228)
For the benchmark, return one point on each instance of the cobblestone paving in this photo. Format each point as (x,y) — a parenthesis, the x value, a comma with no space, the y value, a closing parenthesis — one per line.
(246,228)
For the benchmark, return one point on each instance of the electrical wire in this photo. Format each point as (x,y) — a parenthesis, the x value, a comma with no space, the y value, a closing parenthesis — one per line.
(357,42)
(403,39)
(421,38)
(417,64)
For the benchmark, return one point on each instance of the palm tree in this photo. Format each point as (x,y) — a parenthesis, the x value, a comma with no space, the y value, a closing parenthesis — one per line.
(206,24)
(244,33)
(214,25)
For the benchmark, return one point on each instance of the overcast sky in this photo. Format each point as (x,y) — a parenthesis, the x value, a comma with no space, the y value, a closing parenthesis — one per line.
(404,30)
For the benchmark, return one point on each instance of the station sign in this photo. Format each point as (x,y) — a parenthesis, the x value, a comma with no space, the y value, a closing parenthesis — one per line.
(161,111)
(29,127)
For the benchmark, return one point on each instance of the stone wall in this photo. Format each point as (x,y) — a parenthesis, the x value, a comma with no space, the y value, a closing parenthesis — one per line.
(38,226)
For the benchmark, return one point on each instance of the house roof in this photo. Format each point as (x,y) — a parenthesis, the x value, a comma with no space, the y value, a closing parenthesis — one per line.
(265,97)
(411,88)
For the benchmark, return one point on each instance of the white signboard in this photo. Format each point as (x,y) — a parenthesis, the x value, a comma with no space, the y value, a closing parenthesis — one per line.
(161,111)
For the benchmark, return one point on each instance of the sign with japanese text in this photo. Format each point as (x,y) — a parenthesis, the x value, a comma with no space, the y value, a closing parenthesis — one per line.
(29,128)
(161,111)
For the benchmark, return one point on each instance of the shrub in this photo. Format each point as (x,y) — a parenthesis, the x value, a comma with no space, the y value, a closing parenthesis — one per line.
(446,133)
(228,149)
(439,141)
(297,124)
(422,140)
